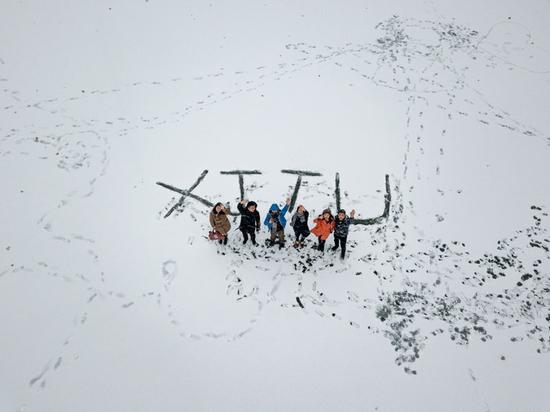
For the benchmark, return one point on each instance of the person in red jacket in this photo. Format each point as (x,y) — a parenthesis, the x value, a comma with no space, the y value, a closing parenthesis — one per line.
(324,225)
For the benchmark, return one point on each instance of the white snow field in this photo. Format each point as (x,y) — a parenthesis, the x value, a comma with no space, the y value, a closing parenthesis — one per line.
(443,300)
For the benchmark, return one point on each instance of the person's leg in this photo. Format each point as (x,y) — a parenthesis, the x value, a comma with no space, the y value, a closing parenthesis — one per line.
(281,235)
(343,244)
(297,236)
(220,241)
(272,237)
(336,242)
(245,236)
(253,237)
(225,239)
(321,244)
(305,233)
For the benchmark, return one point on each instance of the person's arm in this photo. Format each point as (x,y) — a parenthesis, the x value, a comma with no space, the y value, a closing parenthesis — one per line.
(293,220)
(226,225)
(285,209)
(257,217)
(266,220)
(212,221)
(287,205)
(240,206)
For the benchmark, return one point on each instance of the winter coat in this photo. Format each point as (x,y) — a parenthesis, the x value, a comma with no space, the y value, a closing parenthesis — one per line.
(220,222)
(249,220)
(341,227)
(280,216)
(322,228)
(299,223)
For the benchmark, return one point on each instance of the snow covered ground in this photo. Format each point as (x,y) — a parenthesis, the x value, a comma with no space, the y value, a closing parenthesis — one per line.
(105,305)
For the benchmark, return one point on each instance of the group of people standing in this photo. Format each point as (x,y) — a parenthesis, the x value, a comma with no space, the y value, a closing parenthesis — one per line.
(275,221)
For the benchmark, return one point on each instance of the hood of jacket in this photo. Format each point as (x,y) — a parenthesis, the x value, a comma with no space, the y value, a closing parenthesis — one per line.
(280,215)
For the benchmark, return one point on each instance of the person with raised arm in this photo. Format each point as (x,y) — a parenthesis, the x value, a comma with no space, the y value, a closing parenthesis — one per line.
(250,220)
(341,230)
(220,223)
(324,225)
(299,223)
(275,221)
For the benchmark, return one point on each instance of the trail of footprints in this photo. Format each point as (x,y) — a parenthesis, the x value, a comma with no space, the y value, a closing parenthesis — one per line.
(396,60)
(427,288)
(434,77)
(418,278)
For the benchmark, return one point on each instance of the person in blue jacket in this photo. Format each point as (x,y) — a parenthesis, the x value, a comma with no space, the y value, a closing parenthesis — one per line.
(276,222)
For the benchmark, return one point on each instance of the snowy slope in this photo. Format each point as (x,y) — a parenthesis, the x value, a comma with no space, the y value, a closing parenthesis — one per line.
(107,305)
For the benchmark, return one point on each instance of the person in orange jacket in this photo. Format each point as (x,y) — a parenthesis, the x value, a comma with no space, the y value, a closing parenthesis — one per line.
(324,225)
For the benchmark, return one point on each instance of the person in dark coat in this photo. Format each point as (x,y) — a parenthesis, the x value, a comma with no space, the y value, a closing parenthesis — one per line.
(341,230)
(299,223)
(250,220)
(219,221)
(275,221)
